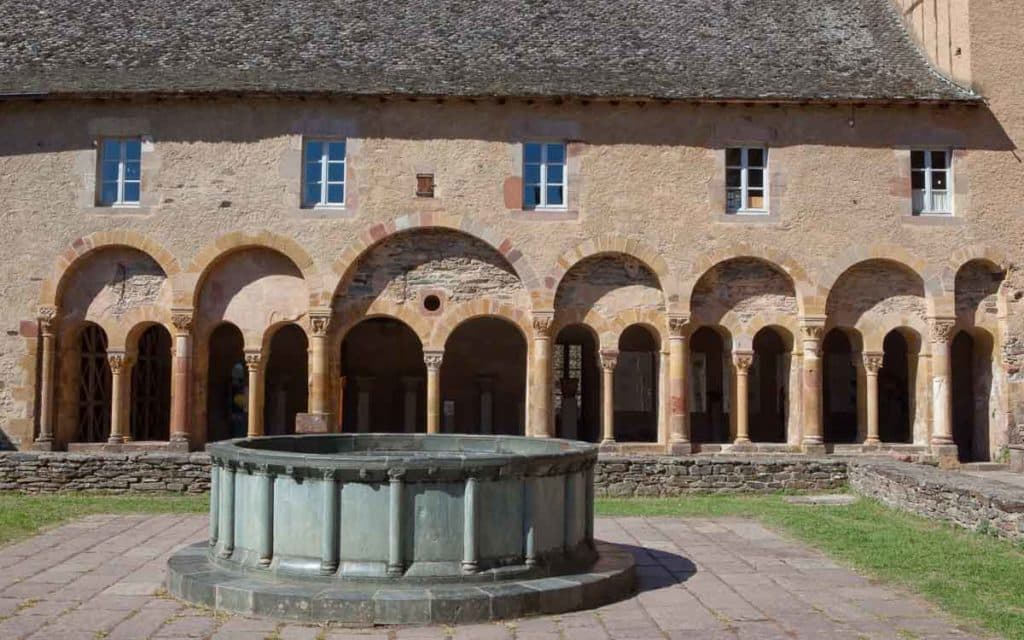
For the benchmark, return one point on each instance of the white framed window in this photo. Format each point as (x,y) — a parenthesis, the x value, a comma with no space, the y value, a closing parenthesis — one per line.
(746,189)
(323,175)
(120,183)
(930,180)
(544,175)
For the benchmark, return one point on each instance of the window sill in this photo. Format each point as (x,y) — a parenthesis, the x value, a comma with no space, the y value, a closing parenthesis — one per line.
(119,209)
(546,213)
(748,212)
(932,219)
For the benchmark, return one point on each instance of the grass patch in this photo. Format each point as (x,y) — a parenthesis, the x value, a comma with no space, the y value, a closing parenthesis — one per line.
(22,516)
(974,577)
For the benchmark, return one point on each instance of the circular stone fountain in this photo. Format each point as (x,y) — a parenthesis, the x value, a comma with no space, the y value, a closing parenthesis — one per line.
(403,528)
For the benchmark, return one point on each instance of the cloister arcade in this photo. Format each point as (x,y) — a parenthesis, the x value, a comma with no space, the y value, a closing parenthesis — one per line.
(441,328)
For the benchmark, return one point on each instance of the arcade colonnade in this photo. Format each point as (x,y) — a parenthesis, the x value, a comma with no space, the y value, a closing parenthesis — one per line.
(744,350)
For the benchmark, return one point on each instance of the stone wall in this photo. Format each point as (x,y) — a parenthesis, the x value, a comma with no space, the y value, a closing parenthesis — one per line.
(964,500)
(39,472)
(665,476)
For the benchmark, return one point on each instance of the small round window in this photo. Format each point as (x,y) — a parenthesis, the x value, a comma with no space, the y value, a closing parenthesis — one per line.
(431,303)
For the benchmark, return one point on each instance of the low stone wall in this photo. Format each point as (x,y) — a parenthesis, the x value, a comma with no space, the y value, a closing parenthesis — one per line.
(667,476)
(967,501)
(45,472)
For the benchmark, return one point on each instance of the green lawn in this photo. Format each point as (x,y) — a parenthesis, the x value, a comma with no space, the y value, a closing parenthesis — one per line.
(22,516)
(975,577)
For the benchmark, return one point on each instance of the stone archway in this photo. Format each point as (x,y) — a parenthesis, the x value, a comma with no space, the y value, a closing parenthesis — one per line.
(896,397)
(577,384)
(768,386)
(637,374)
(285,380)
(972,395)
(151,386)
(227,384)
(483,378)
(94,386)
(840,388)
(709,393)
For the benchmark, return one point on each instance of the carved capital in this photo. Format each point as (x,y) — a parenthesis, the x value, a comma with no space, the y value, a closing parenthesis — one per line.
(47,315)
(813,332)
(608,360)
(743,360)
(940,330)
(253,360)
(182,320)
(433,360)
(320,324)
(676,326)
(872,362)
(542,324)
(396,475)
(118,361)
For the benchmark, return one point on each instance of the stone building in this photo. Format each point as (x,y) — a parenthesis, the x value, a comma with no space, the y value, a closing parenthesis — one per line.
(681,226)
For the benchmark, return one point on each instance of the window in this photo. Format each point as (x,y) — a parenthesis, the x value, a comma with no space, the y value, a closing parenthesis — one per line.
(544,175)
(745,188)
(120,172)
(324,175)
(929,178)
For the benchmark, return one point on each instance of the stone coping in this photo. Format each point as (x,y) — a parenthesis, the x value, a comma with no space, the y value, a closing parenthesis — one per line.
(193,578)
(927,478)
(412,457)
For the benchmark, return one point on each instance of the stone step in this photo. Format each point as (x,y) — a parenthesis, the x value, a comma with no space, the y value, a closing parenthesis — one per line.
(984,466)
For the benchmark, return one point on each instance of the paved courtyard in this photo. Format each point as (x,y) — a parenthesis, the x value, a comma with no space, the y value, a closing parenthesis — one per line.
(100,578)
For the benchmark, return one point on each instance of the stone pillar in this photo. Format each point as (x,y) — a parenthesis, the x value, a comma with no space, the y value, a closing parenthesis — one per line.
(941,335)
(742,361)
(47,320)
(253,360)
(486,386)
(540,393)
(470,533)
(410,395)
(679,415)
(433,361)
(120,395)
(396,499)
(812,330)
(330,499)
(872,363)
(319,362)
(265,514)
(181,375)
(608,361)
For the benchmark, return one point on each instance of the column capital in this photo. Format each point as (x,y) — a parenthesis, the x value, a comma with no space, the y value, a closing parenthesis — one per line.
(182,318)
(47,316)
(940,330)
(872,362)
(542,323)
(433,360)
(812,327)
(119,361)
(608,359)
(320,321)
(743,360)
(677,325)
(253,360)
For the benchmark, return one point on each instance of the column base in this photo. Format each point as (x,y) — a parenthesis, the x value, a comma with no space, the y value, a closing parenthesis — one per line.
(115,440)
(947,455)
(742,446)
(813,448)
(679,448)
(313,422)
(871,446)
(179,443)
(43,445)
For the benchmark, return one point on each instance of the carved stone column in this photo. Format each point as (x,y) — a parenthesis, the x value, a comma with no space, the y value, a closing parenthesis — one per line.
(743,361)
(941,336)
(679,415)
(47,317)
(319,364)
(433,361)
(812,330)
(120,395)
(872,364)
(253,362)
(540,393)
(608,361)
(181,375)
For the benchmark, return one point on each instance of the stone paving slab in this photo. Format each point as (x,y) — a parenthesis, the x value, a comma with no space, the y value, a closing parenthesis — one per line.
(101,577)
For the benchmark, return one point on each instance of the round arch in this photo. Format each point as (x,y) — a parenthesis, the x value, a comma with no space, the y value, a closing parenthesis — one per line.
(889,254)
(609,244)
(458,315)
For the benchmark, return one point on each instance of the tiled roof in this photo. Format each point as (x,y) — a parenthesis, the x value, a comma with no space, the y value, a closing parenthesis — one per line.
(675,49)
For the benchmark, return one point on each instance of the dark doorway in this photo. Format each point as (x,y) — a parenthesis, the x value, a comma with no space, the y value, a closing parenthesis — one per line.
(972,387)
(894,391)
(577,381)
(709,391)
(385,378)
(151,386)
(93,385)
(483,378)
(227,388)
(636,386)
(768,388)
(285,380)
(839,389)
